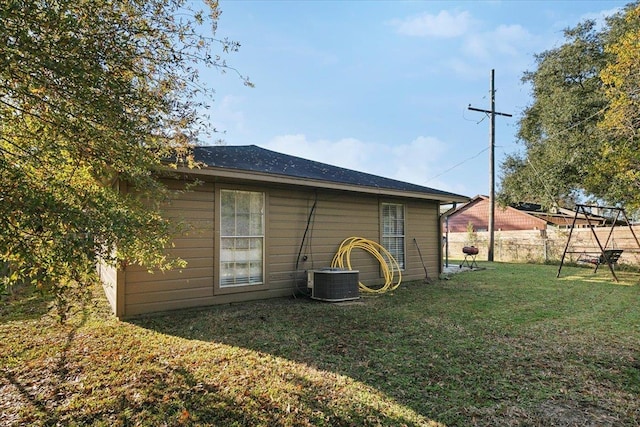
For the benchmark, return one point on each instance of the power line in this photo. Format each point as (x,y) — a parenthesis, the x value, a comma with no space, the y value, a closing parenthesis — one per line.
(560,132)
(457,164)
(543,182)
(538,175)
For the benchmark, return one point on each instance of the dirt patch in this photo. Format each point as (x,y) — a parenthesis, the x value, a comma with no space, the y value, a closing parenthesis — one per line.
(574,414)
(549,413)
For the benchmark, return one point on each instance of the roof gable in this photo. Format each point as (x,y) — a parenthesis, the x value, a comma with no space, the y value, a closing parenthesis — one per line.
(251,158)
(471,203)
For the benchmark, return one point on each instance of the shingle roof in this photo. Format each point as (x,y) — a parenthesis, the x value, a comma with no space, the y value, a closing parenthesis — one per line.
(257,159)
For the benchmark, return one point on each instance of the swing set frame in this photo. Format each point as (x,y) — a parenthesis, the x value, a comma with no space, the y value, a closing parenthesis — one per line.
(608,256)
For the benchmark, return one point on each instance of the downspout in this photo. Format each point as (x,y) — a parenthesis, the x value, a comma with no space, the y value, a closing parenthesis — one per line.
(446,241)
(445,216)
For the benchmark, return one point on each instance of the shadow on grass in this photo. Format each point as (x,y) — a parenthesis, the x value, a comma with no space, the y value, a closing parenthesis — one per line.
(626,275)
(395,356)
(96,371)
(455,358)
(175,396)
(52,381)
(24,302)
(514,347)
(183,401)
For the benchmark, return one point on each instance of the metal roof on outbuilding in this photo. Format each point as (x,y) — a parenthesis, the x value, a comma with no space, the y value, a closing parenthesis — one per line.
(251,158)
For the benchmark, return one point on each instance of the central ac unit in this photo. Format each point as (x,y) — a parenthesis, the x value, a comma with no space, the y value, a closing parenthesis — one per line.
(333,284)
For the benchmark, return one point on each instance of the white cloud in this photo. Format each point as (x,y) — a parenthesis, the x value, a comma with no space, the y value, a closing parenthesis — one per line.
(413,162)
(442,25)
(509,39)
(473,48)
(227,116)
(506,40)
(416,161)
(464,69)
(600,17)
(507,47)
(346,153)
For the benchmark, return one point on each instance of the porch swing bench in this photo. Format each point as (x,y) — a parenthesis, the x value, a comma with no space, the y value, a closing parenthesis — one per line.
(608,256)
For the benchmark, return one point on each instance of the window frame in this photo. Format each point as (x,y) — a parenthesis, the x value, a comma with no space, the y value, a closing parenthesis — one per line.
(402,263)
(220,237)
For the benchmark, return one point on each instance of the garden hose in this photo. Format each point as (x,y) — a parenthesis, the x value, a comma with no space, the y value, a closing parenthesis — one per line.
(342,259)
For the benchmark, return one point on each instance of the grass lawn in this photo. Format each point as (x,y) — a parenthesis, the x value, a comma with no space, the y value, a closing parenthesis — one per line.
(510,345)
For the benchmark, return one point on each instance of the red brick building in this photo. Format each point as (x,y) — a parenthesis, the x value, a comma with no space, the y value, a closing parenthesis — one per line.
(525,216)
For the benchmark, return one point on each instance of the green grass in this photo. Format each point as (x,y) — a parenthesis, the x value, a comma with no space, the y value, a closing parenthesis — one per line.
(508,345)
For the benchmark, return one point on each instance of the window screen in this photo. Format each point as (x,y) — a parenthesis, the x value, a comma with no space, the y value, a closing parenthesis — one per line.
(393,231)
(241,238)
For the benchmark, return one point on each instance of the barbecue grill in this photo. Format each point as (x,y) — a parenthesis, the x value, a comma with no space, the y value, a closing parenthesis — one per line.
(470,254)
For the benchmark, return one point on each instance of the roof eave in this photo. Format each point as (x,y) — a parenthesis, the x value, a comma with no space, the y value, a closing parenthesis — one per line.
(306,182)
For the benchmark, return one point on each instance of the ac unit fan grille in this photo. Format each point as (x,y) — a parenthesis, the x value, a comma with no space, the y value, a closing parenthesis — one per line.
(332,285)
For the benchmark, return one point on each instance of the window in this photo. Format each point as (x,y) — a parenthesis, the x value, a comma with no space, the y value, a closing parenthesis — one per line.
(241,238)
(393,231)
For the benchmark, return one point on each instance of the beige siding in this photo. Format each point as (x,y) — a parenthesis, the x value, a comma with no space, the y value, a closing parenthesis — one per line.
(337,216)
(144,291)
(112,279)
(109,277)
(180,303)
(423,226)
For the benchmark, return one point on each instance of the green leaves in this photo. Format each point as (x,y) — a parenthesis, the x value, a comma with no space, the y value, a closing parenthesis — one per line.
(620,159)
(94,97)
(572,132)
(558,129)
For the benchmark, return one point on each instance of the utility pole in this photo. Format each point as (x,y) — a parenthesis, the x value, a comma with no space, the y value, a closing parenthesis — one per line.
(492,160)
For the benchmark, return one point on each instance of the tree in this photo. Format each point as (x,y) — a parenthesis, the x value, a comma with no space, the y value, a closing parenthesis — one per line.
(619,168)
(94,95)
(559,129)
(580,134)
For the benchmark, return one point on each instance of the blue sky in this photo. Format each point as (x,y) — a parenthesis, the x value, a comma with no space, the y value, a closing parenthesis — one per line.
(383,86)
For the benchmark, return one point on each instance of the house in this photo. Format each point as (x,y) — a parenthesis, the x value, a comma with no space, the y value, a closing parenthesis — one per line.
(260,219)
(562,217)
(523,216)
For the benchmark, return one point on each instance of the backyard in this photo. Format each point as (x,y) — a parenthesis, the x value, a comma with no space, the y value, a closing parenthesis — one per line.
(508,345)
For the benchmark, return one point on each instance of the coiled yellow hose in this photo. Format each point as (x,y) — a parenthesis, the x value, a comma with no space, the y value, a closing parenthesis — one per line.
(342,258)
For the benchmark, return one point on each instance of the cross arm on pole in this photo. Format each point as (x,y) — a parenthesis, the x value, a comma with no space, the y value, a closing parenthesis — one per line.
(488,111)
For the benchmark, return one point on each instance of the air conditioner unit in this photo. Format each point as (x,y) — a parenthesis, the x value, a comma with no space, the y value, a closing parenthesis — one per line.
(333,284)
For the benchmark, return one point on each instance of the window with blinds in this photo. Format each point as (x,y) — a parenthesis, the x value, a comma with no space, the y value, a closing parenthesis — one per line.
(393,231)
(241,238)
